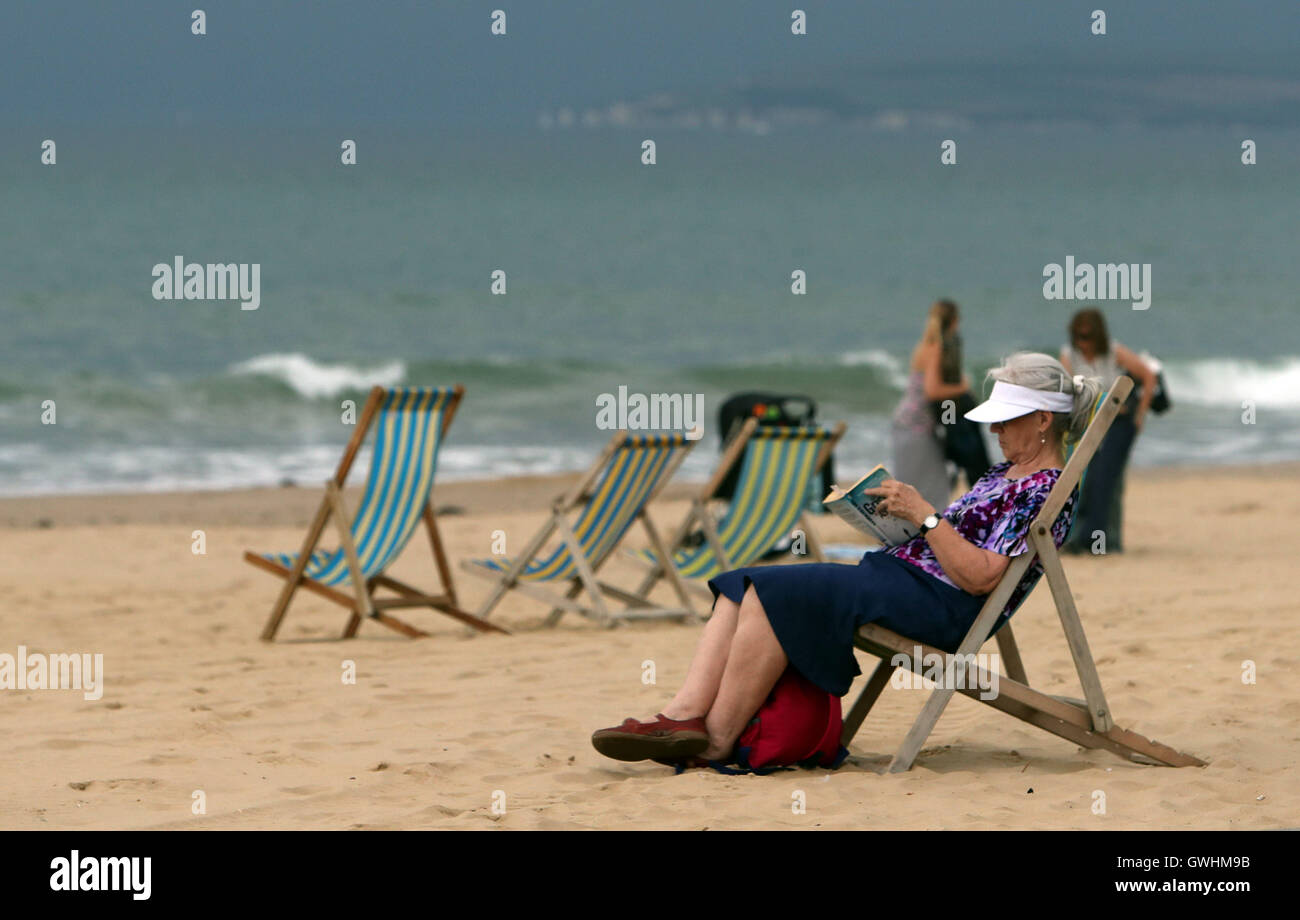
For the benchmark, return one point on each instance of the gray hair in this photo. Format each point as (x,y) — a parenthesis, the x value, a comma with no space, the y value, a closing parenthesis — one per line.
(1038,371)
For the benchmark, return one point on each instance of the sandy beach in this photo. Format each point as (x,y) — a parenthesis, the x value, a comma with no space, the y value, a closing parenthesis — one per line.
(433,729)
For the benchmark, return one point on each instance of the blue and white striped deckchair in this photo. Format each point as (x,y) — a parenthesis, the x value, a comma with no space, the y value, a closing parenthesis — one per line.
(777,467)
(610,498)
(409,424)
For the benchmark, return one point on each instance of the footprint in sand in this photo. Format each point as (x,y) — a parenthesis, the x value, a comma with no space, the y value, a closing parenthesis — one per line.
(440,811)
(529,718)
(236,716)
(129,784)
(282,760)
(158,760)
(595,783)
(431,771)
(64,744)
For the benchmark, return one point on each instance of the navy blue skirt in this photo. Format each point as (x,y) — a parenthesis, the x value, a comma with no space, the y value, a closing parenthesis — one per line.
(816,608)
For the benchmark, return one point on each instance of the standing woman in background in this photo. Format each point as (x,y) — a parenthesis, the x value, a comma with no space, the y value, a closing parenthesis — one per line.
(918,450)
(1091,352)
(963,442)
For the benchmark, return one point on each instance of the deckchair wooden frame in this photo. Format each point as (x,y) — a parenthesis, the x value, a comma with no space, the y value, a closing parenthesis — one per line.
(557,523)
(362,602)
(700,514)
(1087,722)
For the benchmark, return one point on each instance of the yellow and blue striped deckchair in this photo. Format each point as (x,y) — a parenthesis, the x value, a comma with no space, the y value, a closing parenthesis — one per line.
(777,466)
(409,424)
(610,498)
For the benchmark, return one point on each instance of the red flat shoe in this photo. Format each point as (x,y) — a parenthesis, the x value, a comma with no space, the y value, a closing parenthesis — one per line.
(663,738)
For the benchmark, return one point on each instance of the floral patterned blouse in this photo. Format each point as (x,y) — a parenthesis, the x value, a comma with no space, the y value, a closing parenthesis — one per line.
(995,515)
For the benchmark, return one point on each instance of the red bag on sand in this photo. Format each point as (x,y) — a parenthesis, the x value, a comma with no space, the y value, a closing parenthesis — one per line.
(799,724)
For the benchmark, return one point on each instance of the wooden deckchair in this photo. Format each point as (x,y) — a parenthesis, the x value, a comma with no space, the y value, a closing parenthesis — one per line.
(409,426)
(1085,722)
(611,497)
(777,465)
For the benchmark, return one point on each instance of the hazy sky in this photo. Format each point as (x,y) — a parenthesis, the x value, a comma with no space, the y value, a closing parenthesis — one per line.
(434,63)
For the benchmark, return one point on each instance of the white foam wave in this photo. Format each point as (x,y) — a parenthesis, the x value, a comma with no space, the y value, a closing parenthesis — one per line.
(315,380)
(36,469)
(880,359)
(1230,382)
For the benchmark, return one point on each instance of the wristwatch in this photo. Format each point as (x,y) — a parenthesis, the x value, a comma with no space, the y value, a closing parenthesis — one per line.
(930,523)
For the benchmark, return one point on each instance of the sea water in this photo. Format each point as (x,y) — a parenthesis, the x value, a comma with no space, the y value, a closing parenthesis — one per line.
(674,278)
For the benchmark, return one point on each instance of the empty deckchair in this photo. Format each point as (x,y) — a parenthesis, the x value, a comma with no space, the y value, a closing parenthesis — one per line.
(777,465)
(1087,722)
(609,499)
(409,426)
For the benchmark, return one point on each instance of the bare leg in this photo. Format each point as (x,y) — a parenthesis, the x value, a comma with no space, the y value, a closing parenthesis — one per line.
(754,664)
(705,673)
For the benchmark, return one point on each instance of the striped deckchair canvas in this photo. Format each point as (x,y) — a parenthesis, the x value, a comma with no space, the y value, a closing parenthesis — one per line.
(409,425)
(777,466)
(609,499)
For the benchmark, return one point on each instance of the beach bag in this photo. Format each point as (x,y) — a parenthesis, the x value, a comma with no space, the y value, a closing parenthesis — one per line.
(1160,402)
(963,443)
(799,724)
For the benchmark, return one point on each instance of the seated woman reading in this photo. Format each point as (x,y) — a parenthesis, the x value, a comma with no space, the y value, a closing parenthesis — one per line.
(930,588)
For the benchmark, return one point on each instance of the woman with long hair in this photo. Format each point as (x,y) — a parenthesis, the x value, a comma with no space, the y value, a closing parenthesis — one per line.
(918,449)
(963,442)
